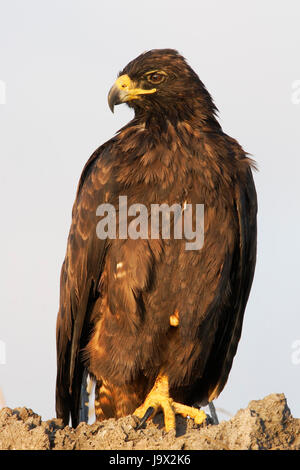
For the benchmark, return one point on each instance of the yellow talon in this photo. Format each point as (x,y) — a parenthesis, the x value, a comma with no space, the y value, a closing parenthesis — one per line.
(197,415)
(159,399)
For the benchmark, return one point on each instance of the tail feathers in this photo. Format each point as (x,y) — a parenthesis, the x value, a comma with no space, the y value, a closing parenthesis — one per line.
(83,415)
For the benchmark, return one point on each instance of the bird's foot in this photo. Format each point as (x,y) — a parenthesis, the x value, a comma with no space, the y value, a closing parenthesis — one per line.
(159,399)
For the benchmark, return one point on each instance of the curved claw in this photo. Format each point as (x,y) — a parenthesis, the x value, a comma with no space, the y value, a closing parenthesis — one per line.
(147,415)
(159,399)
(213,413)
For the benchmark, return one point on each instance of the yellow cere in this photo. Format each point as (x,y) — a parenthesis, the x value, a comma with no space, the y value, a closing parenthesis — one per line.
(126,84)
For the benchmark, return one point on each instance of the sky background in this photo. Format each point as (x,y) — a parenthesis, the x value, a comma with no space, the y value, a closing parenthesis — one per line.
(58,59)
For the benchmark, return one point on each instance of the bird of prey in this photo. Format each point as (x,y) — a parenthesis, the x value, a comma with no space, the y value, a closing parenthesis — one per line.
(155,324)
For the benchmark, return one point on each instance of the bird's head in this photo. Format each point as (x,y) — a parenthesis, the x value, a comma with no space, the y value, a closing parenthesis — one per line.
(161,82)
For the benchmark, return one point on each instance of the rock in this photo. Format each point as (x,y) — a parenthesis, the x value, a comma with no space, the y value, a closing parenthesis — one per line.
(22,429)
(264,424)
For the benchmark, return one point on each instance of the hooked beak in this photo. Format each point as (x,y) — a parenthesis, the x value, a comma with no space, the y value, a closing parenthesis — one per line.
(123,90)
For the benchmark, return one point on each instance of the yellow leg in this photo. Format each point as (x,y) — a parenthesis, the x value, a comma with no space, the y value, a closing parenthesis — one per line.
(159,399)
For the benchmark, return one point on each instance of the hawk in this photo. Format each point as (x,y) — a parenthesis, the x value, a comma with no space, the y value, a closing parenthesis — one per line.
(155,324)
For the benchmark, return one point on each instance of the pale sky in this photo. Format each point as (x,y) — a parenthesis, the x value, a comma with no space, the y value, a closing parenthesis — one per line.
(58,59)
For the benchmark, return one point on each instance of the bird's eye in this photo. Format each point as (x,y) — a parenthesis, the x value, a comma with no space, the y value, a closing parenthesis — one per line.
(156,78)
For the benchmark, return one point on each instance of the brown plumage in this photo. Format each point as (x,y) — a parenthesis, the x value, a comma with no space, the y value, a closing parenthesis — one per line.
(116,321)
